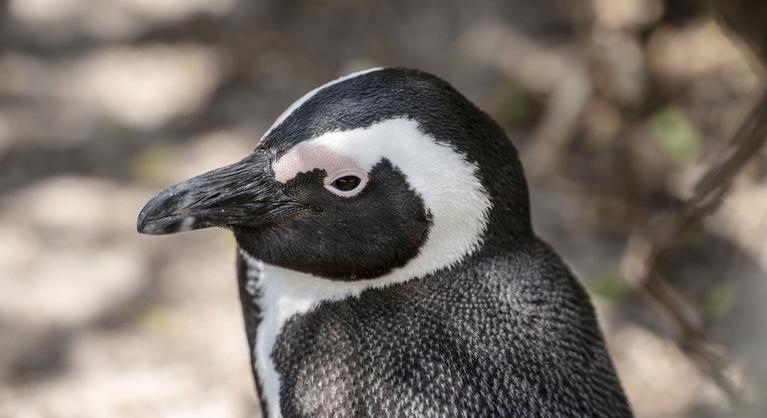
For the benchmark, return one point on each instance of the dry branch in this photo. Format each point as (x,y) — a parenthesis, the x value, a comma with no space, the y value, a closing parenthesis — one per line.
(640,261)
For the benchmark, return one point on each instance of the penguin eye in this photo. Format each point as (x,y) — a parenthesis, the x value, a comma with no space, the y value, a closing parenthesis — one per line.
(346,183)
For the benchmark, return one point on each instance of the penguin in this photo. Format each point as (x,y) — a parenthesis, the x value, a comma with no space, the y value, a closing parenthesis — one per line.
(388,267)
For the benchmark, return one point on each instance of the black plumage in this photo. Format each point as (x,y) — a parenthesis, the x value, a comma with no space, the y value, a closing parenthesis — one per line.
(505,331)
(506,334)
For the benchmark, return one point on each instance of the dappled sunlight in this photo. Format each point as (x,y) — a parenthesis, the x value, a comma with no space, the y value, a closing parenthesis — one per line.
(617,110)
(108,19)
(144,87)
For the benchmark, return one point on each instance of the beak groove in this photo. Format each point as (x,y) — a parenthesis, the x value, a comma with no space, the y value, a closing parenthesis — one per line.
(244,193)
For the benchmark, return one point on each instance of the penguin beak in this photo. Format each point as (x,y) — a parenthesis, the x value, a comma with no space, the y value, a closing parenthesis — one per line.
(244,193)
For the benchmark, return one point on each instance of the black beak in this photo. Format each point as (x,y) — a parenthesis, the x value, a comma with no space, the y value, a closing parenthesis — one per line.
(244,193)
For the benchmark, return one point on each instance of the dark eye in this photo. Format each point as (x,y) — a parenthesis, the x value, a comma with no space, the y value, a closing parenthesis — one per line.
(346,183)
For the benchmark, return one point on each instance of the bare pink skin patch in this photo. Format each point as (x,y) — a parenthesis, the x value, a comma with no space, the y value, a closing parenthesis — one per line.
(306,157)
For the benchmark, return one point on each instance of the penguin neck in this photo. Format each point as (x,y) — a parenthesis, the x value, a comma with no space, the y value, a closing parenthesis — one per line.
(281,294)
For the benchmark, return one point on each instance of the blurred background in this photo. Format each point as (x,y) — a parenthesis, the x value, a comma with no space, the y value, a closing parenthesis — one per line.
(617,107)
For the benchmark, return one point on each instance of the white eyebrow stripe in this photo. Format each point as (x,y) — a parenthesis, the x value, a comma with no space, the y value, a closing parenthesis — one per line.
(292,108)
(445,180)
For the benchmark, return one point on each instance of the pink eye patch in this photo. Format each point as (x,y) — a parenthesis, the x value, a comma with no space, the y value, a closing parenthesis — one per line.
(306,157)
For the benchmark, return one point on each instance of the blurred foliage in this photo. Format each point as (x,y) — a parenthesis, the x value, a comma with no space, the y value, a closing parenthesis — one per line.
(151,164)
(609,286)
(718,300)
(516,107)
(676,136)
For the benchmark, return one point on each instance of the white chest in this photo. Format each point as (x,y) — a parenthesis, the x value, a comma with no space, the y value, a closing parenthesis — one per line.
(281,294)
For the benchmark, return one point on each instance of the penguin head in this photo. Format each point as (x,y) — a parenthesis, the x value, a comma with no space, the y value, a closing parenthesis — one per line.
(381,170)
